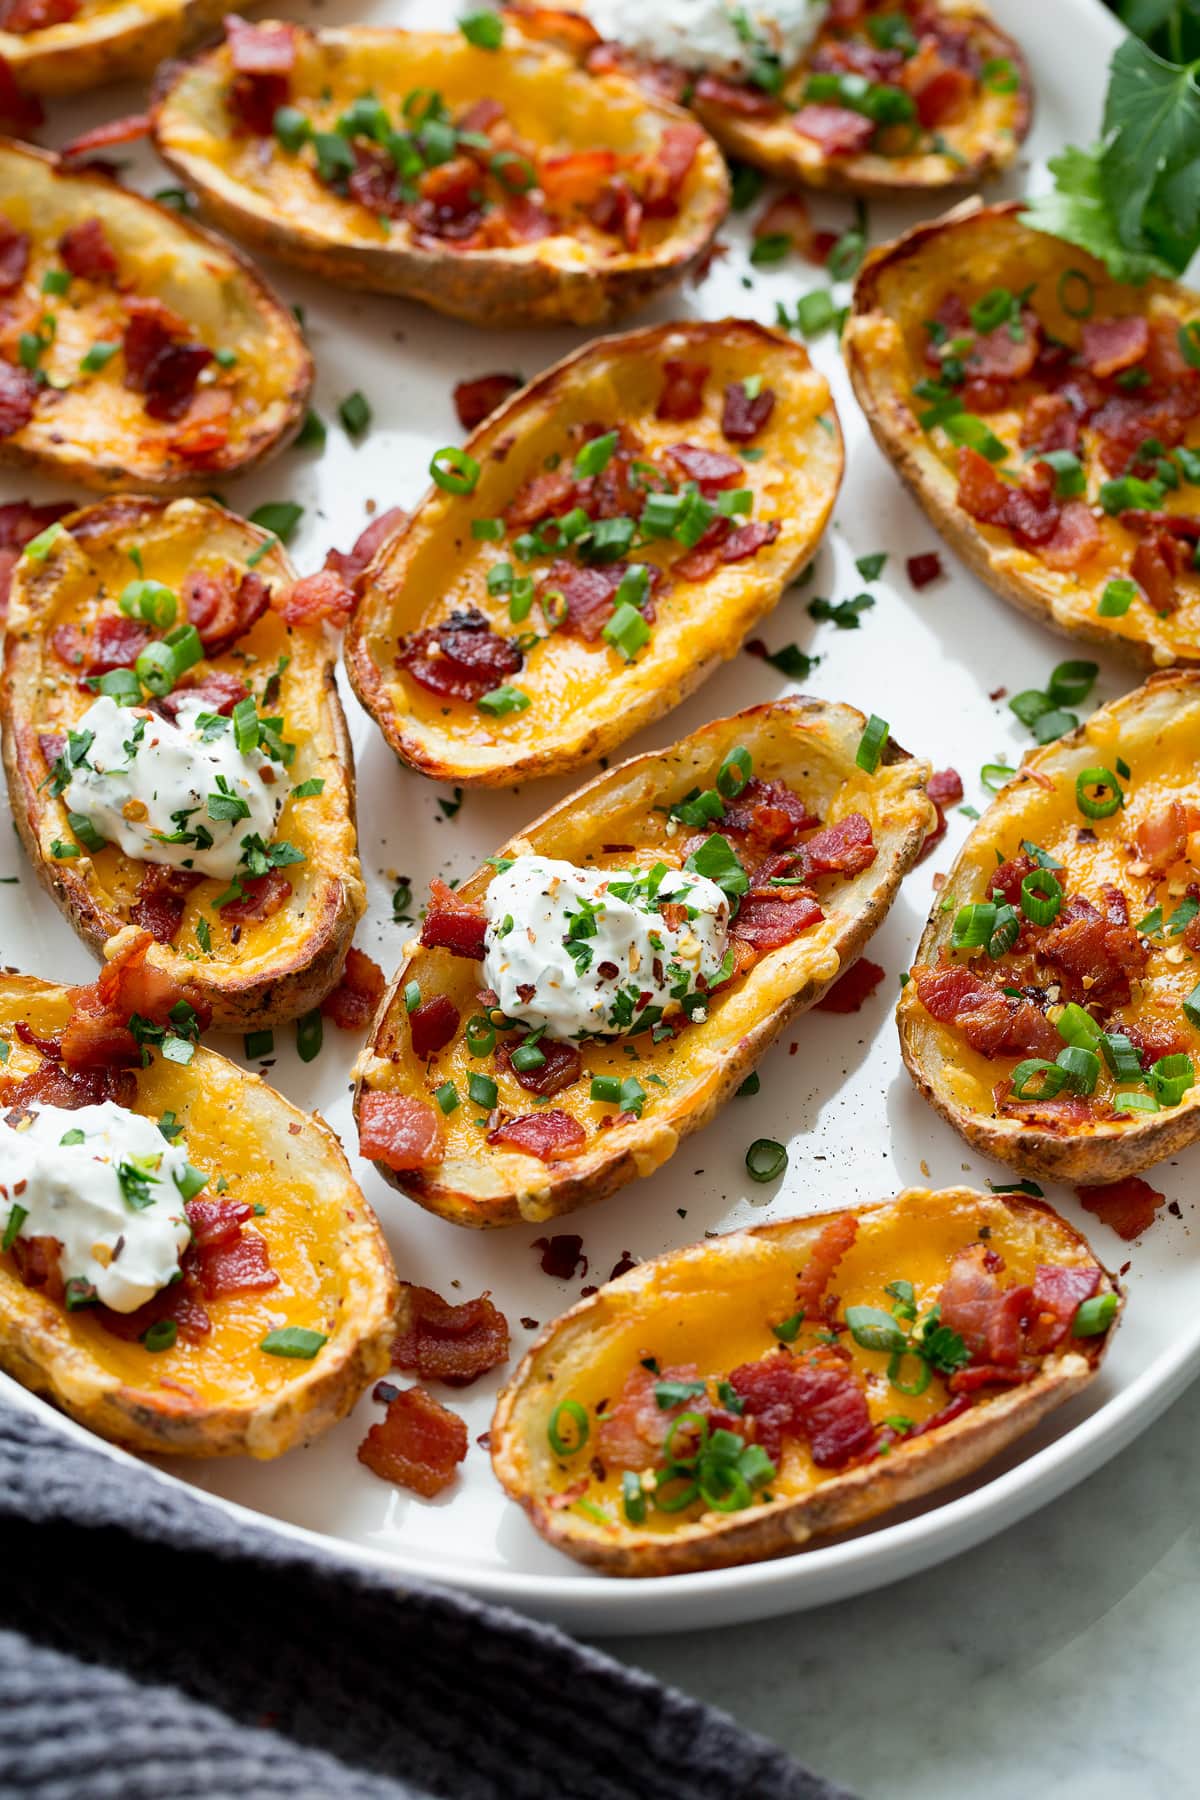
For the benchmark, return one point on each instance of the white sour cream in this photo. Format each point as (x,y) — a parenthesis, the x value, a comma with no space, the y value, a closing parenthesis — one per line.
(141,773)
(702,34)
(74,1192)
(547,970)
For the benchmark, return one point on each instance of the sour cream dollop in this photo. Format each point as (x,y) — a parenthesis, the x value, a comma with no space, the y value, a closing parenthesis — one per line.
(110,1195)
(141,774)
(588,952)
(703,34)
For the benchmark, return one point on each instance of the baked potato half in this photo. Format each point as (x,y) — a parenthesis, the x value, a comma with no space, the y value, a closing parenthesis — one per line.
(691,1414)
(1053,1015)
(137,350)
(503,186)
(73,45)
(282,1242)
(1046,417)
(513,629)
(888,99)
(684,906)
(97,603)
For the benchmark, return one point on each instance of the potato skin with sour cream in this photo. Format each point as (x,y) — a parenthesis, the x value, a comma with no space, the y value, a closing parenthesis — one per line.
(809,744)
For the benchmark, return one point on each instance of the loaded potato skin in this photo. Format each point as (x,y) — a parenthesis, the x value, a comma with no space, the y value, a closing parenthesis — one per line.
(248,878)
(138,350)
(58,47)
(745,1397)
(1047,419)
(492,1091)
(503,186)
(1053,1011)
(601,541)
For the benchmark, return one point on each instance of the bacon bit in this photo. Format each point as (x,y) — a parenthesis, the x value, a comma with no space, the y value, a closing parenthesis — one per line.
(769,811)
(993,1023)
(944,788)
(204,431)
(19,113)
(240,1266)
(1155,567)
(770,918)
(985,1315)
(87,252)
(177,1302)
(711,470)
(682,394)
(260,49)
(786,216)
(669,168)
(97,1033)
(159,363)
(576,178)
(323,596)
(433,1024)
(1096,953)
(942,92)
(216,1222)
(747,540)
(398,1131)
(44,1046)
(562,1256)
(1058,1294)
(1062,1114)
(349,564)
(835,129)
(18,396)
(20,521)
(352,1004)
(1075,537)
(561,1069)
(1050,423)
(743,418)
(924,569)
(20,16)
(1128,1206)
(116,643)
(818,1399)
(981,1375)
(1110,345)
(542,494)
(551,1135)
(635,1427)
(475,400)
(263,897)
(52,1085)
(219,691)
(115,132)
(159,904)
(735,97)
(846,848)
(460,659)
(661,80)
(998,356)
(14,256)
(1152,1038)
(590,595)
(453,924)
(39,1265)
(834,1241)
(418,1444)
(851,991)
(441,1342)
(223,606)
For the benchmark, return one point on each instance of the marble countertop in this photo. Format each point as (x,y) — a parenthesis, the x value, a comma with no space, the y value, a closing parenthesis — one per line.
(1061,1656)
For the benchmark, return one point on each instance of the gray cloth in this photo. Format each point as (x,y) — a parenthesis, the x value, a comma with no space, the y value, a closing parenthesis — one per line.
(156,1649)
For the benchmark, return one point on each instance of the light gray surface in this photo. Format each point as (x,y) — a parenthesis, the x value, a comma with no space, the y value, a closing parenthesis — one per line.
(1058,1659)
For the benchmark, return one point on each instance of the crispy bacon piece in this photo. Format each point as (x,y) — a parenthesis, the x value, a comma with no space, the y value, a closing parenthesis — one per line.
(1162,839)
(1096,953)
(632,1433)
(561,1069)
(219,691)
(1128,1206)
(831,1246)
(263,897)
(846,848)
(18,395)
(1063,1113)
(433,1024)
(668,169)
(770,812)
(711,470)
(735,97)
(374,183)
(52,1085)
(160,363)
(474,400)
(97,1033)
(980,1375)
(944,788)
(418,1444)
(541,495)
(742,418)
(354,1001)
(924,569)
(398,1131)
(942,91)
(814,1397)
(590,595)
(835,129)
(14,256)
(1152,1038)
(698,563)
(1008,876)
(1058,1294)
(20,521)
(217,1222)
(87,252)
(115,643)
(441,1342)
(1110,345)
(109,136)
(747,540)
(1158,561)
(20,16)
(1075,538)
(1050,422)
(223,606)
(460,659)
(349,564)
(161,895)
(203,432)
(987,1316)
(851,991)
(682,394)
(619,211)
(997,356)
(552,1135)
(235,1265)
(577,177)
(39,1265)
(324,595)
(769,917)
(453,924)
(994,1023)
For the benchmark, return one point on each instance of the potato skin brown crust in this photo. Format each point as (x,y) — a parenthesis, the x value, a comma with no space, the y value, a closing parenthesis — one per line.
(811,741)
(301,969)
(1105,1151)
(569,725)
(727,1265)
(98,435)
(124,43)
(90,1375)
(890,291)
(500,288)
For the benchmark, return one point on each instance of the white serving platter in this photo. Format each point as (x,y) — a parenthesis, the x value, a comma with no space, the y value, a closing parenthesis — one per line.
(833,1088)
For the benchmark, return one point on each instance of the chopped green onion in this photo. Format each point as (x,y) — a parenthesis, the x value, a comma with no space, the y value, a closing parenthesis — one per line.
(447,1097)
(98,357)
(734,772)
(292,127)
(1171,1077)
(482,1091)
(355,414)
(1041,896)
(502,701)
(160,1336)
(294,1340)
(627,631)
(871,744)
(1126,1103)
(483,29)
(766,1160)
(310,1033)
(1097,793)
(994,776)
(596,454)
(1081,1067)
(1037,1079)
(1076,294)
(1072,682)
(259,1044)
(633,1498)
(454,470)
(1117,598)
(576,1437)
(1075,1026)
(412,996)
(1094,1316)
(973,926)
(279,517)
(481,1036)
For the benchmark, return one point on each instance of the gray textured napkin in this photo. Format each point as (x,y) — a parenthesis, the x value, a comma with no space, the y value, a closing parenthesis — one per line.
(154,1648)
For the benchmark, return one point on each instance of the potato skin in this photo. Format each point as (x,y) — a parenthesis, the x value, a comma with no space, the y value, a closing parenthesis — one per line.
(44,1348)
(86,440)
(500,288)
(725,1264)
(572,727)
(1105,1151)
(975,236)
(798,737)
(299,976)
(124,44)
